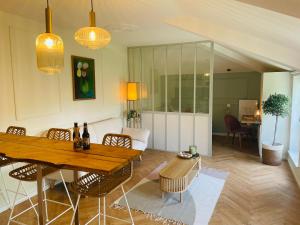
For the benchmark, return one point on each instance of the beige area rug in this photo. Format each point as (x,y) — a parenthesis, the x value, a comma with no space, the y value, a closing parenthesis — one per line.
(198,205)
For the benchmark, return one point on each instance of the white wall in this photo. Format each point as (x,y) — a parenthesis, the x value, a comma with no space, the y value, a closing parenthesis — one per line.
(280,83)
(36,101)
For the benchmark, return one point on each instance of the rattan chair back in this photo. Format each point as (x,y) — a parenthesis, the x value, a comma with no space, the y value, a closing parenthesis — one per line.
(119,140)
(59,134)
(16,130)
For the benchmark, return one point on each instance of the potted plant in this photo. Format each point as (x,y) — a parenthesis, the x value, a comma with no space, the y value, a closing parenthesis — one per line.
(276,105)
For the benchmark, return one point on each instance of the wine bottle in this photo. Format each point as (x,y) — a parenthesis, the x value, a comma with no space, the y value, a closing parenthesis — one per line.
(85,138)
(76,137)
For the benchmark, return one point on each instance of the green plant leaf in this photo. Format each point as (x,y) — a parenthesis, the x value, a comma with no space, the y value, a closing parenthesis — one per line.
(276,105)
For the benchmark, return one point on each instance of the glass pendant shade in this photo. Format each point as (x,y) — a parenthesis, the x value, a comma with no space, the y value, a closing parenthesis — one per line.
(92,37)
(50,53)
(49,48)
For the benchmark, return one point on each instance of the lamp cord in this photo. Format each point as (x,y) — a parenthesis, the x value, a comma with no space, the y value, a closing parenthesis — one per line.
(91,5)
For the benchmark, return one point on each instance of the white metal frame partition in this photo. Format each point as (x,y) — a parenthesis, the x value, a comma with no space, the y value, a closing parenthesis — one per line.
(180,114)
(294,148)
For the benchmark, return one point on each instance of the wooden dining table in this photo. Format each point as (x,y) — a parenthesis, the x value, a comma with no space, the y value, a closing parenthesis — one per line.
(60,154)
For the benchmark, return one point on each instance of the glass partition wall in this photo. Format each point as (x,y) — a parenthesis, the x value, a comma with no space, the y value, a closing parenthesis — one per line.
(175,93)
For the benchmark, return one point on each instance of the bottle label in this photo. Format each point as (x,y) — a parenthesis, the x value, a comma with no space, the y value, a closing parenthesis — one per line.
(86,143)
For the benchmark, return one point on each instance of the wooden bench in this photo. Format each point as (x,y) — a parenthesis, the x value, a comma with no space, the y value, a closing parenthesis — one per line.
(178,175)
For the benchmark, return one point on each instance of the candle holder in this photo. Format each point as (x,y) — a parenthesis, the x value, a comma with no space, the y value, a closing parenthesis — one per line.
(193,149)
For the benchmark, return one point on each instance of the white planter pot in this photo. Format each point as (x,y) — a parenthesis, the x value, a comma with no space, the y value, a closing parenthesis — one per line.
(272,154)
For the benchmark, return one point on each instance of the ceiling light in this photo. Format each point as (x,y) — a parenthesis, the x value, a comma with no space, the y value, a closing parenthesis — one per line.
(49,48)
(92,37)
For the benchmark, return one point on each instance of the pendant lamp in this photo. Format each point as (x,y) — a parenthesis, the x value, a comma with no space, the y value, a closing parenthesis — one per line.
(92,37)
(49,48)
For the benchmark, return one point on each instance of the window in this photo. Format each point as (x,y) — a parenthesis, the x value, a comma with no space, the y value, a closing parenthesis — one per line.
(174,78)
(173,70)
(202,77)
(159,78)
(146,85)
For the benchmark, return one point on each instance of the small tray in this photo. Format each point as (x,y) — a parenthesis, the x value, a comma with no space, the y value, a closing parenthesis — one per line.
(185,155)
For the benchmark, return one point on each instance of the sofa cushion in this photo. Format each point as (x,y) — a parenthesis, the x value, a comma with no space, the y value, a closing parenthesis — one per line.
(107,126)
(138,145)
(137,134)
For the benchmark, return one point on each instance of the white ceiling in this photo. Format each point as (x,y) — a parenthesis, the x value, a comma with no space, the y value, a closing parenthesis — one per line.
(290,7)
(144,22)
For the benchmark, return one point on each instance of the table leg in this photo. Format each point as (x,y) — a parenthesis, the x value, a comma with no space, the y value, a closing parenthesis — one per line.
(199,167)
(41,207)
(75,199)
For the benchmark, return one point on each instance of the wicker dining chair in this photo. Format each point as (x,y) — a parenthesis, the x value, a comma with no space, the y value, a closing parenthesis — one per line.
(119,140)
(100,185)
(29,173)
(20,131)
(59,134)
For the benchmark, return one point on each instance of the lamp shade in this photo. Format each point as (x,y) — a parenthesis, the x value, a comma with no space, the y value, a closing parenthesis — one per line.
(50,53)
(49,48)
(92,37)
(131,91)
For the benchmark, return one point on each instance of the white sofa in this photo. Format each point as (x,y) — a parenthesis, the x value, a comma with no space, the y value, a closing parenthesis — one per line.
(97,131)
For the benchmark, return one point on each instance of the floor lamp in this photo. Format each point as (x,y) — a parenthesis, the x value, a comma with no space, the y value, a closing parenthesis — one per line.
(131,101)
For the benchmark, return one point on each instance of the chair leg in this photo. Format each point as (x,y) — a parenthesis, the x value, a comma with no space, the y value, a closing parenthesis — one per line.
(14,203)
(75,209)
(240,139)
(20,185)
(6,198)
(233,138)
(141,158)
(29,199)
(127,205)
(104,210)
(66,188)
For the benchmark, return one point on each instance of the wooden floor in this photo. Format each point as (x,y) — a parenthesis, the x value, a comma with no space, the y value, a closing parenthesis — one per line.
(254,194)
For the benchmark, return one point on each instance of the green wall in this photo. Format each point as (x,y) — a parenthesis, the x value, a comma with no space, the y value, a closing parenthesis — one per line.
(229,88)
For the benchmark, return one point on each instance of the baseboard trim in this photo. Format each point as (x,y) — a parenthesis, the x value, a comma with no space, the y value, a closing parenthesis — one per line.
(220,134)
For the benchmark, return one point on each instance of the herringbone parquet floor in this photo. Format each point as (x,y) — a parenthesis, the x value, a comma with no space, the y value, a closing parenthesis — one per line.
(254,194)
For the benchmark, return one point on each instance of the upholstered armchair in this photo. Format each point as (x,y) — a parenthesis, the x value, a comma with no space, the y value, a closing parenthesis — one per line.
(139,137)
